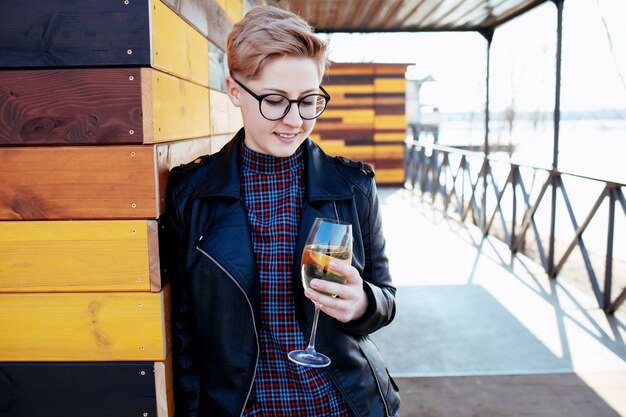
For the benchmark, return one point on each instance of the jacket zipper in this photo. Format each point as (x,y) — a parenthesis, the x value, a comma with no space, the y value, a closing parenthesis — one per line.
(256,333)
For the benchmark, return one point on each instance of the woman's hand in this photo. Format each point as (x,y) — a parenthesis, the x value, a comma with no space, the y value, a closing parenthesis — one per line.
(350,302)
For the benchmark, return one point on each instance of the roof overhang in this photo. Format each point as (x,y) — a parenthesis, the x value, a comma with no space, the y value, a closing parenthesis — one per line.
(406,15)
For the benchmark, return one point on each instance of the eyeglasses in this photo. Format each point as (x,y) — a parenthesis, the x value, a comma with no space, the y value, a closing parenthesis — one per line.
(276,106)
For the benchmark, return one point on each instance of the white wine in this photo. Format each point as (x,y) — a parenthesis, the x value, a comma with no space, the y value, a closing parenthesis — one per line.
(328,239)
(315,259)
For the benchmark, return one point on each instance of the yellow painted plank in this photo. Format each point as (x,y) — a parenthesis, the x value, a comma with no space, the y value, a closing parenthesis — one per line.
(68,256)
(390,121)
(390,85)
(398,69)
(389,137)
(177,48)
(389,176)
(350,69)
(180,108)
(234,10)
(65,327)
(352,152)
(351,116)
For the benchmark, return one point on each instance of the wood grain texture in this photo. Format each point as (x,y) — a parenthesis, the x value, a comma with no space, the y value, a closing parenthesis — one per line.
(218,142)
(100,106)
(365,119)
(164,384)
(390,121)
(183,151)
(390,176)
(153,256)
(70,256)
(74,33)
(43,327)
(178,48)
(232,8)
(79,389)
(95,182)
(225,117)
(219,112)
(208,18)
(50,107)
(180,108)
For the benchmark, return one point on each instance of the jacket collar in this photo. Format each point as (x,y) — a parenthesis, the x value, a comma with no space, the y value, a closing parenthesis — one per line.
(323,180)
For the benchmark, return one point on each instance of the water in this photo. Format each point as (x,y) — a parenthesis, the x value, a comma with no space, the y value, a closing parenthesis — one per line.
(593,148)
(589,148)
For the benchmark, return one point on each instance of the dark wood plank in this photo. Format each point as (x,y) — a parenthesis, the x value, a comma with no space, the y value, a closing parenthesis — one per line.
(78,106)
(348,79)
(77,389)
(74,33)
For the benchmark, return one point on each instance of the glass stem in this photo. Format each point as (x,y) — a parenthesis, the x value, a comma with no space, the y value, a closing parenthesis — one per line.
(314,329)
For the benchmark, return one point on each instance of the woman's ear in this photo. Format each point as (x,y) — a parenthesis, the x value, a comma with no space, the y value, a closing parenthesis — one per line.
(233,90)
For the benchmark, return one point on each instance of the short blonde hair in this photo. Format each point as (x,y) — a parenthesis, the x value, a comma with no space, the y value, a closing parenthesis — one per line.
(268,32)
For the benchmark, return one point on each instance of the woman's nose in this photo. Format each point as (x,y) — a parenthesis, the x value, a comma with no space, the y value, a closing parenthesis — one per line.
(293,118)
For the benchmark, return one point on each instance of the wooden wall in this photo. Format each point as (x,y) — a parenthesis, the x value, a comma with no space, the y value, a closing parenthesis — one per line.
(365,119)
(98,100)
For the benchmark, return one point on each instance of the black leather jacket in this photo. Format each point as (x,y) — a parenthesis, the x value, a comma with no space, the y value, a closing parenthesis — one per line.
(215,301)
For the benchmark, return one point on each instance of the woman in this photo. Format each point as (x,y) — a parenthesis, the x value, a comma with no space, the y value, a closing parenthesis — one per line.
(235,228)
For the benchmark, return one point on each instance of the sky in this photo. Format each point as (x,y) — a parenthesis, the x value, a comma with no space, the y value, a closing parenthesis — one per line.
(522,57)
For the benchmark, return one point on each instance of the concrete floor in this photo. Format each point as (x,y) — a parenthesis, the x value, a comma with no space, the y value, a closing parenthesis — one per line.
(479,333)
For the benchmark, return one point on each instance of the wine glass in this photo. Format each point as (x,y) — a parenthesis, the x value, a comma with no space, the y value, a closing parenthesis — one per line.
(328,239)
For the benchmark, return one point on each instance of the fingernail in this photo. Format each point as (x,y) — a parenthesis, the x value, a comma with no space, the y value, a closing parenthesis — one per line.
(332,264)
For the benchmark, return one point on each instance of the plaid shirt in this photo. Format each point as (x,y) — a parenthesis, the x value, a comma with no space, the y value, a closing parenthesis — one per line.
(273,190)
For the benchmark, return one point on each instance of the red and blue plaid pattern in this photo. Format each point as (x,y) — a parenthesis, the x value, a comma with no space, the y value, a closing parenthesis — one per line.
(273,190)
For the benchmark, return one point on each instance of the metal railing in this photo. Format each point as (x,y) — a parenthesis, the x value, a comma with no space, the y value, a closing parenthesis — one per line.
(465,182)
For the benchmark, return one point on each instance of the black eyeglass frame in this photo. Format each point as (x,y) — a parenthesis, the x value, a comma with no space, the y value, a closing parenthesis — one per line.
(260,99)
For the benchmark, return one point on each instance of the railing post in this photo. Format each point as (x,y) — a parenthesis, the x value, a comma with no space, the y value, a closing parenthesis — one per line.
(514,176)
(463,170)
(557,93)
(423,170)
(608,269)
(554,184)
(486,170)
(488,35)
(556,179)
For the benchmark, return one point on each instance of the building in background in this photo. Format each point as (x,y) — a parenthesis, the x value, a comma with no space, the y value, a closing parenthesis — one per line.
(366,119)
